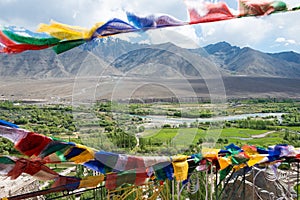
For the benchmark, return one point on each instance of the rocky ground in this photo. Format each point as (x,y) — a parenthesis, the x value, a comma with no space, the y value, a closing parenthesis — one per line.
(21,185)
(89,89)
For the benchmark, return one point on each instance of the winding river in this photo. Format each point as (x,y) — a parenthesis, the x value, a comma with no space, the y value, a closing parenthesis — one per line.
(154,120)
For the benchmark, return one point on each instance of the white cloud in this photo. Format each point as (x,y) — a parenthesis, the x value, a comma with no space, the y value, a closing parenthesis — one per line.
(280,39)
(129,36)
(292,3)
(259,33)
(82,12)
(185,37)
(256,32)
(198,6)
(210,31)
(285,41)
(241,32)
(291,41)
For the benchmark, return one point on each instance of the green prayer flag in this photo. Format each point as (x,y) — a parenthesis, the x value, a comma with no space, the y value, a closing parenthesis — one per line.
(30,40)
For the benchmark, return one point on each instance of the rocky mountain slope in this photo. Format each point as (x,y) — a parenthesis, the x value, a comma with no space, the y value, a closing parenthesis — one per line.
(247,61)
(115,56)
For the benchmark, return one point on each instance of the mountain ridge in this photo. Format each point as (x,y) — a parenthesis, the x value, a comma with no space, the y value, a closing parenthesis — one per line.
(247,61)
(116,56)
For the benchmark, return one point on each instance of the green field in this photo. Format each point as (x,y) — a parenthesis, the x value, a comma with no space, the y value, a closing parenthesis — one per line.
(115,126)
(187,136)
(294,128)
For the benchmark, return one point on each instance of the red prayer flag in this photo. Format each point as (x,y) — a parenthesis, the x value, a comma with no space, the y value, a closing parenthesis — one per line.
(32,144)
(33,168)
(209,13)
(111,181)
(255,7)
(134,163)
(141,176)
(9,46)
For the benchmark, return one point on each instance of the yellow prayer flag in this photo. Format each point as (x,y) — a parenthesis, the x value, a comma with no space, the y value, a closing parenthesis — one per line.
(85,156)
(254,159)
(91,181)
(224,162)
(180,166)
(67,32)
(210,153)
(179,158)
(238,167)
(249,150)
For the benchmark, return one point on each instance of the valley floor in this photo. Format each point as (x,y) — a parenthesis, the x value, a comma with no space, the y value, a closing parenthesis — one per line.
(89,89)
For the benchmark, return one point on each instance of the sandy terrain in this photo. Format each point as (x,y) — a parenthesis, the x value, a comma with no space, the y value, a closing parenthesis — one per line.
(87,89)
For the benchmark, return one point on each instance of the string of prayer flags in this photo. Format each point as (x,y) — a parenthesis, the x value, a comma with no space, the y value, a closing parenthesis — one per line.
(62,37)
(118,169)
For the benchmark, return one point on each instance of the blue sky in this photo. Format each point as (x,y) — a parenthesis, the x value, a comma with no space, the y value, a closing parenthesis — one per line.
(278,32)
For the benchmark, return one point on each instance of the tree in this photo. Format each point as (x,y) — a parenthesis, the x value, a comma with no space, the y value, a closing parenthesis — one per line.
(220,141)
(166,126)
(108,128)
(141,129)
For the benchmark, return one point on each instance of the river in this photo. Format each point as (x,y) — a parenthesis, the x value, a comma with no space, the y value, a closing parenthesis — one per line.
(155,120)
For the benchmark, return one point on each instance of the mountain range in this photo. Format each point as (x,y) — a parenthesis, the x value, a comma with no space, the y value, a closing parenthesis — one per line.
(116,57)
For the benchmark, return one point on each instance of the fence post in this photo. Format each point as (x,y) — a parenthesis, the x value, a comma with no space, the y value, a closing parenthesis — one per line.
(216,185)
(297,180)
(244,183)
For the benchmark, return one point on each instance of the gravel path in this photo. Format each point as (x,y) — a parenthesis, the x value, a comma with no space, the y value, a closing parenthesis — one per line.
(262,135)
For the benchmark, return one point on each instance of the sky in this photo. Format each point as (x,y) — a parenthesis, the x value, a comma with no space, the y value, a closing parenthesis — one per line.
(274,33)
